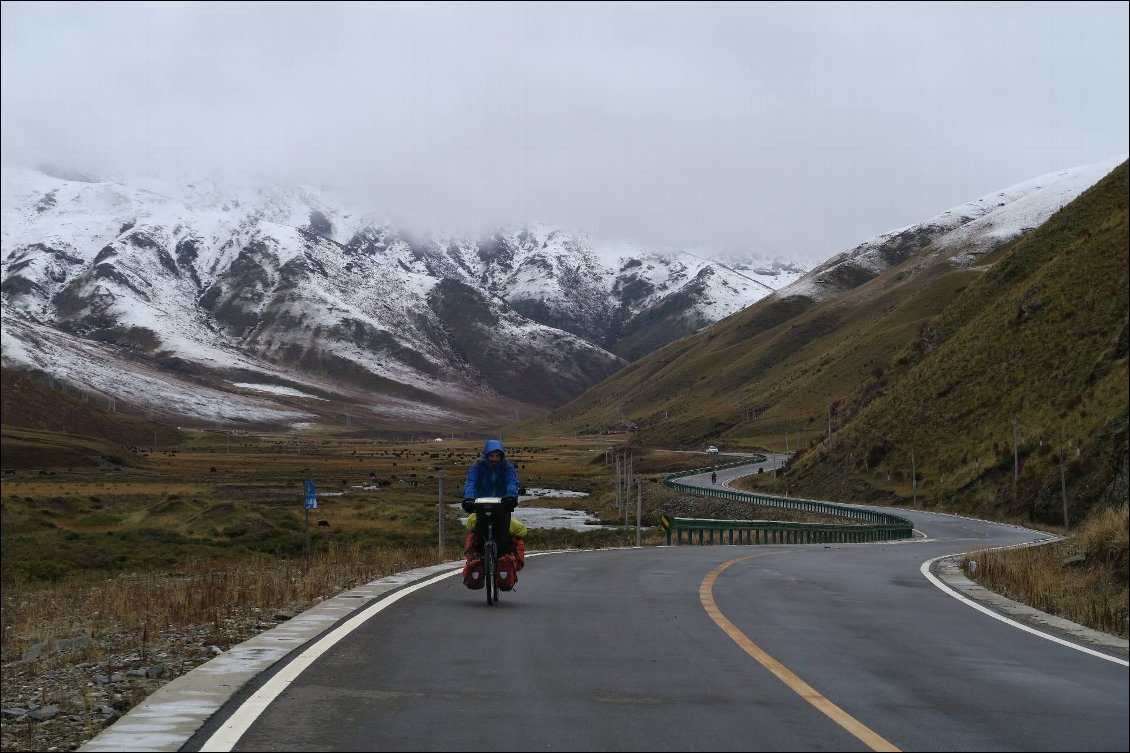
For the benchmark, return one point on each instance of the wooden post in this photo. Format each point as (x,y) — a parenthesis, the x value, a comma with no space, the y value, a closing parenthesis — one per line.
(639,508)
(441,515)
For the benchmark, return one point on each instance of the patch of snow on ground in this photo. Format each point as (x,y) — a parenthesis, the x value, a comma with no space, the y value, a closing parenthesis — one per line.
(304,426)
(276,389)
(98,369)
(552,517)
(555,517)
(538,493)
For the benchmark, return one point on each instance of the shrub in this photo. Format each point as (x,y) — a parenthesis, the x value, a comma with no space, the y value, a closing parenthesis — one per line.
(1105,536)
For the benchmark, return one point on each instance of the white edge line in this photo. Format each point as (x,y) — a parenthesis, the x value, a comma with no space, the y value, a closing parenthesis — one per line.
(925,569)
(229,733)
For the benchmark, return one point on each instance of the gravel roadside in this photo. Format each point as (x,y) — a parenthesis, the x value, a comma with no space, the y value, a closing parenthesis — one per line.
(61,693)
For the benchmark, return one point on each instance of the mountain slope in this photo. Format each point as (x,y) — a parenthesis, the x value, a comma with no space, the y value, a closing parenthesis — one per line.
(1037,344)
(780,368)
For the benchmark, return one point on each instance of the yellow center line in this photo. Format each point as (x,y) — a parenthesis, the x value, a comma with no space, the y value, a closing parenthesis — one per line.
(706,595)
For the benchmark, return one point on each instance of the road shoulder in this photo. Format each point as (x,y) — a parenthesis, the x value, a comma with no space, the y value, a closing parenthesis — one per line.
(168,718)
(949,572)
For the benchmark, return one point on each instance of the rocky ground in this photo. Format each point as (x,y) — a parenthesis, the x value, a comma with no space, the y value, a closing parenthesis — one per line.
(60,693)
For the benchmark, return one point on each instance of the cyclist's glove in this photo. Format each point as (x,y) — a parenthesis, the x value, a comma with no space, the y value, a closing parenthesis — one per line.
(468,505)
(510,503)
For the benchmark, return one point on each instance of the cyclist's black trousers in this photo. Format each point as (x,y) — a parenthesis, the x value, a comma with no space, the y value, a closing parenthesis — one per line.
(501,524)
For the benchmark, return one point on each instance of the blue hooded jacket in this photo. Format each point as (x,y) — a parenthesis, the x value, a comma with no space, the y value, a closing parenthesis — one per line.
(483,480)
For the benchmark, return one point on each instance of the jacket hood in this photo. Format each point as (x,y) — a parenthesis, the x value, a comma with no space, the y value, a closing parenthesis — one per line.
(493,445)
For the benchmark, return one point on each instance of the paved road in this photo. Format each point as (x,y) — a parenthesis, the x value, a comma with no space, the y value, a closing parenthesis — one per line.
(726,475)
(817,647)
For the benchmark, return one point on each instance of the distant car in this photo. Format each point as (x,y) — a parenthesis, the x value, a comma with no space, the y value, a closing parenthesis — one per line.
(712,450)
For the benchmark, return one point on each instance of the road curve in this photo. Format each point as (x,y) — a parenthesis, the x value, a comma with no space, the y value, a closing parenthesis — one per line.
(694,648)
(768,648)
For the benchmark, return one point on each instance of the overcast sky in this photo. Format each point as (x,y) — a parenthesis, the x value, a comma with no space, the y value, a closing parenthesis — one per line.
(797,129)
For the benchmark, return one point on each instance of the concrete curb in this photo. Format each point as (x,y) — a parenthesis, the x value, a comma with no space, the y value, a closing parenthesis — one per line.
(169,717)
(950,573)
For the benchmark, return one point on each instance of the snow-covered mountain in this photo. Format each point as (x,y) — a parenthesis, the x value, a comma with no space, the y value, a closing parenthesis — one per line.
(237,300)
(960,235)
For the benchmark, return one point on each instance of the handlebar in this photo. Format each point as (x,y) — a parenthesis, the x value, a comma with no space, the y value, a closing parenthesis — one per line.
(487,504)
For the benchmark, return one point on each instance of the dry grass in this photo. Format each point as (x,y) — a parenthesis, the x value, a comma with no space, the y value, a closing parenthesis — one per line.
(182,546)
(148,603)
(1091,591)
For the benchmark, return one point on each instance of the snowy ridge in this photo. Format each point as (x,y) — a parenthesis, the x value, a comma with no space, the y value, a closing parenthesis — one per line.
(962,234)
(99,371)
(1035,201)
(214,281)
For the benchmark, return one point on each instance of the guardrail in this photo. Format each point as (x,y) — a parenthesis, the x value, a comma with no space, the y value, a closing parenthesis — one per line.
(881,526)
(771,532)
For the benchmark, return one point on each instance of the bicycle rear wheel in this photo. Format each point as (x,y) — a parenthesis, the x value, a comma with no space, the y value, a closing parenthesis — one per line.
(490,571)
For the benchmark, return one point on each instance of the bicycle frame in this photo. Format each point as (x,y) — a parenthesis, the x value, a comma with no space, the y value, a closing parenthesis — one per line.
(485,507)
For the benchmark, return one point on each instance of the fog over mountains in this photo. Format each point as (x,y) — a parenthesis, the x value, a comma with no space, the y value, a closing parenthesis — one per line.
(244,301)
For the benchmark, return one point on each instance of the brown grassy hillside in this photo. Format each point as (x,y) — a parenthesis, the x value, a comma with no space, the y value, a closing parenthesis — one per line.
(45,427)
(925,367)
(1037,344)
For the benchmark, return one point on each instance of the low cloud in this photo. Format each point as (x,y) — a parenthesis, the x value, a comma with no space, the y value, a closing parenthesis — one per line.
(797,129)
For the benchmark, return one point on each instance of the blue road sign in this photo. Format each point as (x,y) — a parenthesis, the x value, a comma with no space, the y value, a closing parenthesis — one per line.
(311,496)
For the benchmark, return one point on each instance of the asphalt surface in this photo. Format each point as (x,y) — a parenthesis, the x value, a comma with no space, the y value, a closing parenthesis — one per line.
(626,650)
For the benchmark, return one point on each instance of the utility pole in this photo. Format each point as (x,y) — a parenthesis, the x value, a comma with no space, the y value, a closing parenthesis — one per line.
(913,477)
(616,476)
(628,490)
(639,508)
(1015,451)
(1063,490)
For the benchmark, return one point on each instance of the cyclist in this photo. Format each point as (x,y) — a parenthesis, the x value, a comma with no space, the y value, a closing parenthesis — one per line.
(493,475)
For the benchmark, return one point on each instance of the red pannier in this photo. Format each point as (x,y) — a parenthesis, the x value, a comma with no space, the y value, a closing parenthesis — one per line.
(470,552)
(508,565)
(473,573)
(507,574)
